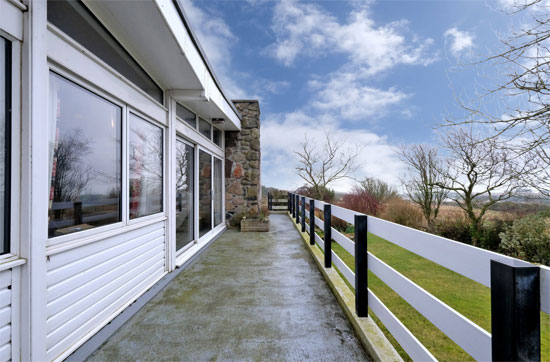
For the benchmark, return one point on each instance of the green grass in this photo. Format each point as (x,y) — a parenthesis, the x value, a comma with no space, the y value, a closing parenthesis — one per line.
(466,296)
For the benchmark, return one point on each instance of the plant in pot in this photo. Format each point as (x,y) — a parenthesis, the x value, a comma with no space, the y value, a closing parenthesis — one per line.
(258,222)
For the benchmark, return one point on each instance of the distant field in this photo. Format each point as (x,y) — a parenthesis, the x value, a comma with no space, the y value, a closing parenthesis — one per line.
(469,298)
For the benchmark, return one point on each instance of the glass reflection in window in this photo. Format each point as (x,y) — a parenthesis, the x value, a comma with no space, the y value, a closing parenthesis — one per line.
(185,160)
(145,157)
(205,193)
(204,128)
(217,137)
(186,115)
(84,159)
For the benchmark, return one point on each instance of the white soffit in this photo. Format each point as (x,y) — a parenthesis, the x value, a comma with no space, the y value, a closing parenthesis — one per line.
(154,34)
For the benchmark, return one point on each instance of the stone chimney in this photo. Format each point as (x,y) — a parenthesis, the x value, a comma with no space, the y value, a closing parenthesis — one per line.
(243,190)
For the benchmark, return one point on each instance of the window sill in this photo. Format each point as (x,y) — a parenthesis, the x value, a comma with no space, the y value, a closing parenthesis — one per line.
(9,261)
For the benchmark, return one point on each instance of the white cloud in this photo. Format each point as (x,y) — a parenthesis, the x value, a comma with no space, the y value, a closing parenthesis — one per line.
(307,29)
(217,40)
(346,94)
(281,135)
(461,42)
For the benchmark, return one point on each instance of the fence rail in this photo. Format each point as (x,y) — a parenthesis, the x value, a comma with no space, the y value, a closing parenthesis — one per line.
(510,280)
(276,204)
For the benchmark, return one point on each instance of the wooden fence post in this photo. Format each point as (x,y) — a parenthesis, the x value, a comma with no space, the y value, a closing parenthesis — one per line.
(361,266)
(303,218)
(311,222)
(77,212)
(515,311)
(328,237)
(297,209)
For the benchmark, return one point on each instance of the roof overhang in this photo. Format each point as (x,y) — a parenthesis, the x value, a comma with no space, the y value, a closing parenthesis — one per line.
(157,34)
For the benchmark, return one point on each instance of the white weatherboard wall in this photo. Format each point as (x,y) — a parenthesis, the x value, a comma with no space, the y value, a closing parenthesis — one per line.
(5,315)
(88,285)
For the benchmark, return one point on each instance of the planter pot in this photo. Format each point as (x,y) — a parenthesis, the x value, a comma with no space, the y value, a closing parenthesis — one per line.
(255,225)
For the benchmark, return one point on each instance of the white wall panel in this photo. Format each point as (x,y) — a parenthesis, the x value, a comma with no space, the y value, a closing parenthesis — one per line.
(5,315)
(89,285)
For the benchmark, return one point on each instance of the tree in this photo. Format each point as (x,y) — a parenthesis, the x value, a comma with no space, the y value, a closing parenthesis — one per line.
(422,182)
(525,90)
(71,174)
(479,174)
(380,190)
(321,166)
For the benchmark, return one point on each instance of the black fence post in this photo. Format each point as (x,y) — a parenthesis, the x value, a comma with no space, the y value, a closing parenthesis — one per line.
(303,218)
(291,203)
(328,237)
(361,266)
(515,311)
(288,202)
(297,209)
(269,201)
(77,212)
(311,222)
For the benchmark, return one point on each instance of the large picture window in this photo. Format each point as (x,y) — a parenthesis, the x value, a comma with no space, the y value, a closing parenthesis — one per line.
(145,155)
(5,133)
(84,159)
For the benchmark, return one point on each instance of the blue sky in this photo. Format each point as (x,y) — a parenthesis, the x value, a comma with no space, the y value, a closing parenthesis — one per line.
(374,73)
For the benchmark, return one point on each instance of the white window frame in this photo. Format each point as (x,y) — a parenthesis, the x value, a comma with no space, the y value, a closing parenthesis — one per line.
(198,117)
(163,212)
(15,145)
(11,29)
(193,242)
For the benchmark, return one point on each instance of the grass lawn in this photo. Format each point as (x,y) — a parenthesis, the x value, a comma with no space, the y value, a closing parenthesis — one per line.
(468,297)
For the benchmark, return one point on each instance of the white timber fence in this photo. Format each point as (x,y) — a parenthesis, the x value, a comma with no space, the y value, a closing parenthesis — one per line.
(277,203)
(519,290)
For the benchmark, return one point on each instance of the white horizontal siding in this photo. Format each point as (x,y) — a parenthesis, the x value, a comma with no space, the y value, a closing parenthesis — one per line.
(89,284)
(5,315)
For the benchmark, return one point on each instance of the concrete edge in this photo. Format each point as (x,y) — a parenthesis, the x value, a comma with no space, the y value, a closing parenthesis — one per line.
(98,339)
(372,338)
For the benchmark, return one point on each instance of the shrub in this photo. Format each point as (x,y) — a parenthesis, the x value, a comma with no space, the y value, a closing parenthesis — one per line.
(362,201)
(320,193)
(402,212)
(528,238)
(456,228)
(236,219)
(379,189)
(490,234)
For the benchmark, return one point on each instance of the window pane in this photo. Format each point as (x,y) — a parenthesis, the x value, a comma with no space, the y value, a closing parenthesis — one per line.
(186,115)
(79,23)
(218,181)
(5,100)
(85,159)
(204,128)
(205,193)
(217,135)
(185,161)
(145,154)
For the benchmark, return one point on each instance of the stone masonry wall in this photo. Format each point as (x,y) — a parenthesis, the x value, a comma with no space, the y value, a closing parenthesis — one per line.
(242,162)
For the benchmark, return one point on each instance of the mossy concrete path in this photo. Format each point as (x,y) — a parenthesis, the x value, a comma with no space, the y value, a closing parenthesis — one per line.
(249,297)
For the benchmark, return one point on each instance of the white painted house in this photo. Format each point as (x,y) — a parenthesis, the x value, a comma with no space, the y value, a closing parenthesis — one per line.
(112,163)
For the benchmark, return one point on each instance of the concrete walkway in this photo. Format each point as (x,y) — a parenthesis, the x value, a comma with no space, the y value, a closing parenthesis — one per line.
(250,296)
